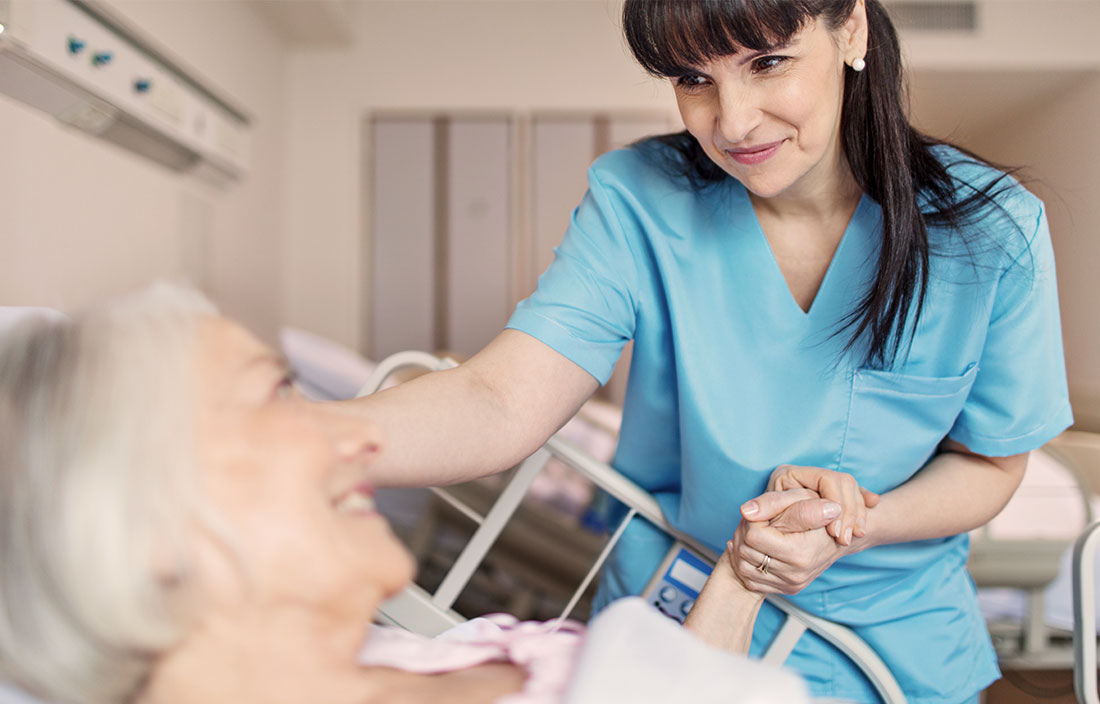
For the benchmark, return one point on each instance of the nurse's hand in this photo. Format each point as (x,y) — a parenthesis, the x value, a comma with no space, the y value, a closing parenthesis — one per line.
(834,486)
(794,542)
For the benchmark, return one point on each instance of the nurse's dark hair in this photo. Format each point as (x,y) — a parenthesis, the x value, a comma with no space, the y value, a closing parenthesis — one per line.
(891,161)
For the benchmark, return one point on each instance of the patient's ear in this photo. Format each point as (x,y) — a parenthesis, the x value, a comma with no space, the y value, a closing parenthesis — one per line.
(169,569)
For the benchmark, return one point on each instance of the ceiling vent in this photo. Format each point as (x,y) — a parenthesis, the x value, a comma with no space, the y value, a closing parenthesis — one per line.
(914,16)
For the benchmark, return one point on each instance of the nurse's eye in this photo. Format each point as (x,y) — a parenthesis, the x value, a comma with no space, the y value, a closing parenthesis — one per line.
(766,64)
(690,82)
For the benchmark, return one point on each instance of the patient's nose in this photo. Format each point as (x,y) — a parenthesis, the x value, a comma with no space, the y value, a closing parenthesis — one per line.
(355,439)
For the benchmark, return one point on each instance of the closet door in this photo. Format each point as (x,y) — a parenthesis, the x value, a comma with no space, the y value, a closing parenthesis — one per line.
(402,242)
(478,217)
(625,129)
(442,212)
(562,149)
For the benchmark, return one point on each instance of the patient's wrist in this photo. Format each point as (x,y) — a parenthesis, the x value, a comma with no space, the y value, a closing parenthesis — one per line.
(726,576)
(725,611)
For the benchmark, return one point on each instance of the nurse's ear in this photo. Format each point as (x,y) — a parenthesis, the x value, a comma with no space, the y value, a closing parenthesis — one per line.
(851,37)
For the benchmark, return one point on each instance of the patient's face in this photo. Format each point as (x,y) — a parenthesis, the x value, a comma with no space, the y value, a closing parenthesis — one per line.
(287,476)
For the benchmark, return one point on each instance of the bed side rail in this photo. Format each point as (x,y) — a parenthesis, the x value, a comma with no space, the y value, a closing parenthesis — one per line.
(431,614)
(1084,615)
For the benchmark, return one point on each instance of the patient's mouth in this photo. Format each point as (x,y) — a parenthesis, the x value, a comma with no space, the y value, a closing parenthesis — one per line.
(359,500)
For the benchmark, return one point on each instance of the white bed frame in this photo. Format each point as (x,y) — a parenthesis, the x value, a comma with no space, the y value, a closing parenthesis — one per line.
(1084,615)
(430,614)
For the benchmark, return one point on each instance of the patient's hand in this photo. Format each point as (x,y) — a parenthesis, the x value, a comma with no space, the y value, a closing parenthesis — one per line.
(726,609)
(828,484)
(794,540)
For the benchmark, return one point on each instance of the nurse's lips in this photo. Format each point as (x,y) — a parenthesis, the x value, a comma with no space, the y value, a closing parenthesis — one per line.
(754,155)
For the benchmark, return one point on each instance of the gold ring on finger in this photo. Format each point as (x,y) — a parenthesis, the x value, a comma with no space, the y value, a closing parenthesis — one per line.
(763,566)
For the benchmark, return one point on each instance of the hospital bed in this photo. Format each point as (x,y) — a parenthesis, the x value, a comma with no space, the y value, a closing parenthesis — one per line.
(432,613)
(1021,561)
(1021,565)
(1084,615)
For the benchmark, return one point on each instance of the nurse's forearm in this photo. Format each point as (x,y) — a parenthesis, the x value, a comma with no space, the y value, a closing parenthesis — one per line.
(482,417)
(955,492)
(725,612)
(433,430)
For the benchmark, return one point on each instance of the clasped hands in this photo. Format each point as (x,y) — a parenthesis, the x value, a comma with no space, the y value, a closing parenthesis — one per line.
(808,519)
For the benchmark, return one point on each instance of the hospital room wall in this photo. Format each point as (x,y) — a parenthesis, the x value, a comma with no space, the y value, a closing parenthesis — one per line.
(83,219)
(1059,147)
(514,57)
(454,56)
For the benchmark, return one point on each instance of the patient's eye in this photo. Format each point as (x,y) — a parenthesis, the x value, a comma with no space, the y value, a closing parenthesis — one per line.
(287,385)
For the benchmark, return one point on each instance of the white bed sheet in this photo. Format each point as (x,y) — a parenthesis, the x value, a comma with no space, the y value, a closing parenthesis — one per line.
(633,654)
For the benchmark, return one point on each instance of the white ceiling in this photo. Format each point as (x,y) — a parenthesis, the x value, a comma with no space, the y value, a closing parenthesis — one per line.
(309,22)
(950,103)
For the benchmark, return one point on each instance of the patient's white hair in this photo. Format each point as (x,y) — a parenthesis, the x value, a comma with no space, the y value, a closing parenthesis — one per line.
(96,455)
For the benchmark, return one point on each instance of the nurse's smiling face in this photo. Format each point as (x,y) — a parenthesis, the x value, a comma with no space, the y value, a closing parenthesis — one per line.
(771,119)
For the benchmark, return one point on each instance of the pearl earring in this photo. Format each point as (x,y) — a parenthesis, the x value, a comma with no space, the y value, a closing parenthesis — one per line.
(858,65)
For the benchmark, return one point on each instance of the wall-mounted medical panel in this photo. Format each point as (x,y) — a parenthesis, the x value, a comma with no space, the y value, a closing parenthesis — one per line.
(83,64)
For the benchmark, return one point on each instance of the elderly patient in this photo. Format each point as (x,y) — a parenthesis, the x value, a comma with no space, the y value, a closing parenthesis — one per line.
(177,524)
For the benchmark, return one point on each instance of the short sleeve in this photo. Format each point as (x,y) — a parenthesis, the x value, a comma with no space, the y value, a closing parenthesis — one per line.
(1019,399)
(585,305)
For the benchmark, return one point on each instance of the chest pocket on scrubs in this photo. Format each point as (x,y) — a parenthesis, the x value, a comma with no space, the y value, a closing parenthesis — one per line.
(896,421)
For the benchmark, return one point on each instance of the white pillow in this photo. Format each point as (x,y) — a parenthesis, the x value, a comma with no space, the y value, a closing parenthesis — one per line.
(10,695)
(327,370)
(10,315)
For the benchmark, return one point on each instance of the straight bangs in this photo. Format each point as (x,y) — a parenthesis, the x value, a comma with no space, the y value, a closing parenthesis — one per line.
(672,38)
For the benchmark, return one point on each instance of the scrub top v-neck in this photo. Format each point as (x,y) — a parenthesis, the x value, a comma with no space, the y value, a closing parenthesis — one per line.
(770,275)
(730,378)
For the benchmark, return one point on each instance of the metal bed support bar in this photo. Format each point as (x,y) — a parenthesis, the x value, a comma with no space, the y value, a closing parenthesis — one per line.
(483,539)
(611,543)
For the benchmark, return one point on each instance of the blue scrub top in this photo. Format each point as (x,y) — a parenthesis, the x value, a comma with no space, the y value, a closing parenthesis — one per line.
(730,378)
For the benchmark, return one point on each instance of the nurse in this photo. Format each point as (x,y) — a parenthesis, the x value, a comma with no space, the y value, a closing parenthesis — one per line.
(818,296)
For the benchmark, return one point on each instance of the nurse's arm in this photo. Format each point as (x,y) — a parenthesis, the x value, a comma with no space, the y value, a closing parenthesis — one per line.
(957,491)
(479,418)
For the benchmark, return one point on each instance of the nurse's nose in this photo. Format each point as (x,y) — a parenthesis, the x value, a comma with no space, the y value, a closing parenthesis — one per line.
(738,114)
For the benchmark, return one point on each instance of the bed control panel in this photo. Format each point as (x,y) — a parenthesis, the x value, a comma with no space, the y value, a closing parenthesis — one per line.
(677,582)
